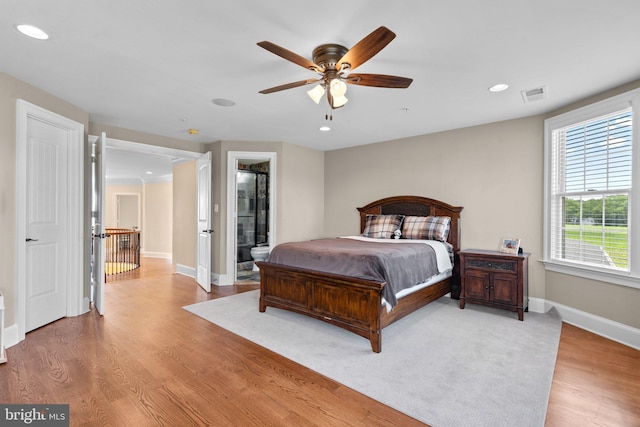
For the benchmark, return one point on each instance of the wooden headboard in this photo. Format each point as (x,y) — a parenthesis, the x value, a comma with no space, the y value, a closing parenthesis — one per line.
(415,205)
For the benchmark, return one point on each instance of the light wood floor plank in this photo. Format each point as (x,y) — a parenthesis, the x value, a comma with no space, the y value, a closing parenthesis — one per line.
(596,382)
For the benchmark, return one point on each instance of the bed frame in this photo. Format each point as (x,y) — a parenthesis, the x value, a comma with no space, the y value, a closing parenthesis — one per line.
(352,303)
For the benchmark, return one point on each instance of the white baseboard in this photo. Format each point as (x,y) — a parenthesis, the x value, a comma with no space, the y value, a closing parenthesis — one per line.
(191,272)
(11,335)
(539,305)
(186,271)
(223,280)
(163,255)
(615,331)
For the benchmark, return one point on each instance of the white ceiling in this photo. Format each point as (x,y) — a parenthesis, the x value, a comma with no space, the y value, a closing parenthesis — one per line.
(156,66)
(131,163)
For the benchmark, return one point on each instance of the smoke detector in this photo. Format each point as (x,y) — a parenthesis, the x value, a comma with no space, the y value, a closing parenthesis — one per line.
(534,94)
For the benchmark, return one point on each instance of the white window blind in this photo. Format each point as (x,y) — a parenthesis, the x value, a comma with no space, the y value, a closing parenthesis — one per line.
(590,191)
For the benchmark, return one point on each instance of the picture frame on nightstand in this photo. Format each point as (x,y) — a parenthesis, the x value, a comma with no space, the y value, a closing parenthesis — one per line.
(509,245)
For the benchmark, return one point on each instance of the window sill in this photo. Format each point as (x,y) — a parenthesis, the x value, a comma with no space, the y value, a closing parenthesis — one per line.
(618,278)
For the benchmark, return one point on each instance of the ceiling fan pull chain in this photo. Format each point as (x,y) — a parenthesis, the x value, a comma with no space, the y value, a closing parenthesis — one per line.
(328,115)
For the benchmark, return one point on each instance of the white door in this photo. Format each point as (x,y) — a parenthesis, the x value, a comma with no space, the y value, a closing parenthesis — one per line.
(46,226)
(99,235)
(50,234)
(203,249)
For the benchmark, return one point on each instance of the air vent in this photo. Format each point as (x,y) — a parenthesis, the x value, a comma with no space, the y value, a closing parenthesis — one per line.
(534,94)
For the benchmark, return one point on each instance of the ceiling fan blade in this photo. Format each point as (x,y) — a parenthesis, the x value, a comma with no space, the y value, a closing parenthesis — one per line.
(378,80)
(366,48)
(290,56)
(290,86)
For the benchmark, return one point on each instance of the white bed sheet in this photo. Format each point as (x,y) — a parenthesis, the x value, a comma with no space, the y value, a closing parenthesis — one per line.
(407,291)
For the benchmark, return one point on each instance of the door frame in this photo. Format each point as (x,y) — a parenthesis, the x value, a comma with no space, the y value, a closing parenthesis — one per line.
(232,203)
(141,147)
(77,303)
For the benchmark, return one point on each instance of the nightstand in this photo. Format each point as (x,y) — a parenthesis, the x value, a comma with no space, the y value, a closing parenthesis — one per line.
(495,279)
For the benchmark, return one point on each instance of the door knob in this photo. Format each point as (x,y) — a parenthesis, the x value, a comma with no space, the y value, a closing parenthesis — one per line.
(29,239)
(207,231)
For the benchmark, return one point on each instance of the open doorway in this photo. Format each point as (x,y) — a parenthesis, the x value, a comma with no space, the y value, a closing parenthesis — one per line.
(251,178)
(139,198)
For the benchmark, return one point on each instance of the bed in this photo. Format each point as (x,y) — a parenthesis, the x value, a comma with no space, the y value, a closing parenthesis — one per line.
(357,304)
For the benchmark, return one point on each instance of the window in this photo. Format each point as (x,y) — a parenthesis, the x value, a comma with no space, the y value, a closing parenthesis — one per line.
(590,172)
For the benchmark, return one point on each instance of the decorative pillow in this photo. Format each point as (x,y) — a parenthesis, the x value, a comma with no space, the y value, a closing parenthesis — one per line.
(382,226)
(426,227)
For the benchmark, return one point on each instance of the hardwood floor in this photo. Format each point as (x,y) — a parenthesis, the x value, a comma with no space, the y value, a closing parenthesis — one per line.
(596,382)
(148,362)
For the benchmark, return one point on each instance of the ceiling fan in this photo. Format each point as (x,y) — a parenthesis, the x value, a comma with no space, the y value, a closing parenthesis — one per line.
(334,64)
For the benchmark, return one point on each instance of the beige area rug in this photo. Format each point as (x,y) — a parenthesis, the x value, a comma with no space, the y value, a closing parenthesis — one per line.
(444,366)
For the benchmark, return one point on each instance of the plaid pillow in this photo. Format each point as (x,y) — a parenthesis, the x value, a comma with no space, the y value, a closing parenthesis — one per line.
(426,227)
(381,226)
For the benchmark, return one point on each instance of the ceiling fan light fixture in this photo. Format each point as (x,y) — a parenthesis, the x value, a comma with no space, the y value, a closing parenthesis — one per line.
(316,93)
(338,88)
(339,101)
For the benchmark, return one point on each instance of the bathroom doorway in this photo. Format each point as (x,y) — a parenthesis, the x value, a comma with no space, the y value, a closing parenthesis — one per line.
(251,195)
(252,227)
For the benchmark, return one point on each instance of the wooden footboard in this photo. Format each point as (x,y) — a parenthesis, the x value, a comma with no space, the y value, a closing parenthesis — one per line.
(351,303)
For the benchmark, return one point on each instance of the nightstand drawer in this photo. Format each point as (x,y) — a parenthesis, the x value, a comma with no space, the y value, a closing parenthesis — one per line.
(495,265)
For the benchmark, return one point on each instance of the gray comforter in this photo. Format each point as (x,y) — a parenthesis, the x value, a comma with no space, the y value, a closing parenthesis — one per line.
(399,265)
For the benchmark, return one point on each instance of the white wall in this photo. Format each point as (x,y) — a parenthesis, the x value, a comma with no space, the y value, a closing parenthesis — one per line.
(157,227)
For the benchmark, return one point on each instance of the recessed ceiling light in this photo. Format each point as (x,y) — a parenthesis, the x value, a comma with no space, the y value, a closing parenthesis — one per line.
(149,173)
(33,32)
(325,128)
(223,102)
(499,87)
